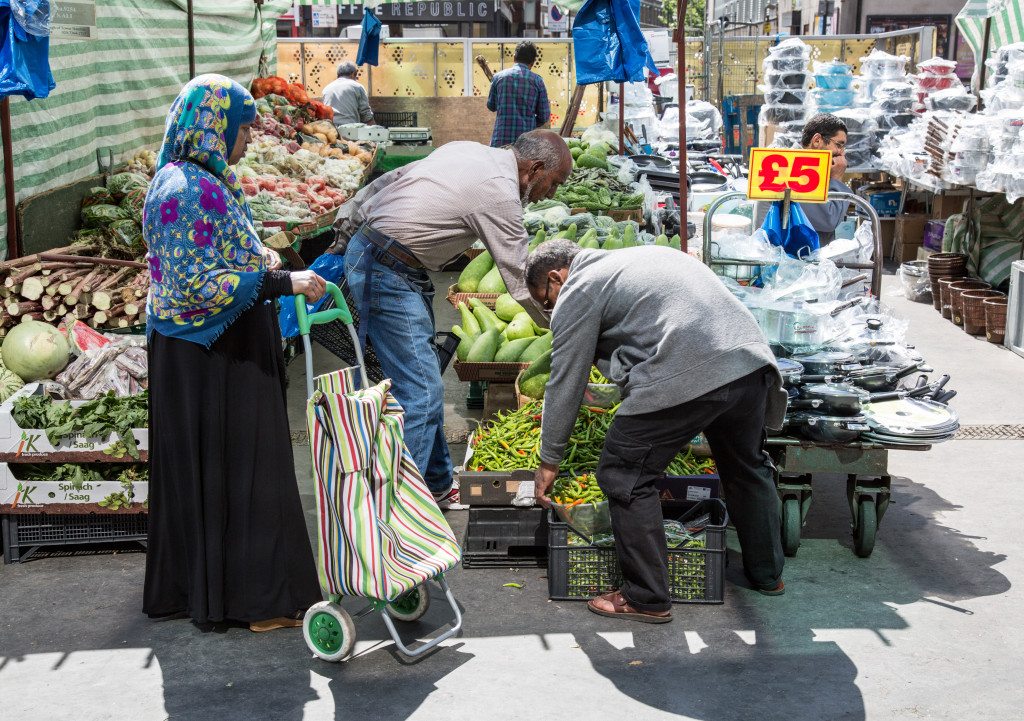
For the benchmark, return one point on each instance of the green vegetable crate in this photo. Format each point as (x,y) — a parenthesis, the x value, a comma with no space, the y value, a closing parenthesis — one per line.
(696,575)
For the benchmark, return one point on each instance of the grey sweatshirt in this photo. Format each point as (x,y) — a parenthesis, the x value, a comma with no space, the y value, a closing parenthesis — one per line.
(657,323)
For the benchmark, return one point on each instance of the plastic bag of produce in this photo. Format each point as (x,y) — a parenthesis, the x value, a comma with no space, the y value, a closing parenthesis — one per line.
(587,520)
(101,215)
(98,196)
(133,203)
(121,184)
(128,234)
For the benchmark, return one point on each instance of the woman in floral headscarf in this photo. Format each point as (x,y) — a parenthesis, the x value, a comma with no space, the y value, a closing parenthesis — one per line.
(227,535)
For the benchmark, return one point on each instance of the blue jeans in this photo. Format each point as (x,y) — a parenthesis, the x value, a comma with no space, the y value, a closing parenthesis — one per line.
(401,327)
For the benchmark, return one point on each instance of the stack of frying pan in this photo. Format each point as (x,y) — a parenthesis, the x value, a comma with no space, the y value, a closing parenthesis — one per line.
(836,399)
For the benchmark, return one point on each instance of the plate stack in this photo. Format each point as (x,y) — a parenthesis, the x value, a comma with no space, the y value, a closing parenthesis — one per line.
(909,422)
(945,265)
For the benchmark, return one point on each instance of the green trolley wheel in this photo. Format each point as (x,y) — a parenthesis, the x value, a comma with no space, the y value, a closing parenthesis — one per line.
(329,631)
(410,606)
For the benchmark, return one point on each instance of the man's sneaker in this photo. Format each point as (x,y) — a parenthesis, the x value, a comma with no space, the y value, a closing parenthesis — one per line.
(450,500)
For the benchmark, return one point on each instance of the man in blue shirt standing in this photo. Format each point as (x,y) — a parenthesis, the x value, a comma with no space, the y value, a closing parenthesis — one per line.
(519,98)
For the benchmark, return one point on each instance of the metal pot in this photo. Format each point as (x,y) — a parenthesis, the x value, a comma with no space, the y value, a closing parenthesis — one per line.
(828,363)
(831,429)
(791,371)
(839,399)
(798,325)
(880,378)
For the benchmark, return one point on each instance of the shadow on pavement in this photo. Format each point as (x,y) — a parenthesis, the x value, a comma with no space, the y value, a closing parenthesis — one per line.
(699,666)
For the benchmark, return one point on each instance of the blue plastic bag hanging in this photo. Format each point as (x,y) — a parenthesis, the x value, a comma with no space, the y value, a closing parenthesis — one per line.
(369,39)
(328,266)
(25,52)
(798,238)
(608,44)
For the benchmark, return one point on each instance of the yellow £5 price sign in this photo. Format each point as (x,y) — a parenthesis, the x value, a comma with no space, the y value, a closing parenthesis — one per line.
(805,173)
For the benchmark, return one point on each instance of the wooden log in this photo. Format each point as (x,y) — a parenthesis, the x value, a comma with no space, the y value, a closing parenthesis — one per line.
(36,257)
(49,316)
(33,288)
(98,319)
(21,307)
(70,280)
(26,272)
(101,300)
(114,279)
(98,261)
(73,296)
(132,309)
(26,317)
(48,302)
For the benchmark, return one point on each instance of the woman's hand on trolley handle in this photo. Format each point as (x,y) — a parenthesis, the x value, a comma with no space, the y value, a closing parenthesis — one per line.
(309,284)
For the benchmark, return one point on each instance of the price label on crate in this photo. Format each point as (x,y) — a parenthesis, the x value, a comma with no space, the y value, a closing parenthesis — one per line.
(805,173)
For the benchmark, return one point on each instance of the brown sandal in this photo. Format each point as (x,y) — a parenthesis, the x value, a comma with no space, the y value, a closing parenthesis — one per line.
(272,624)
(622,609)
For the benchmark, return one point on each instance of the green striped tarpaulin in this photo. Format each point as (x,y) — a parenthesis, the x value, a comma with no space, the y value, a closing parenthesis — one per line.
(114,89)
(1007,25)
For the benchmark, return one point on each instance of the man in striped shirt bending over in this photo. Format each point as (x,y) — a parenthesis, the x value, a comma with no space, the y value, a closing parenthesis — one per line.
(519,98)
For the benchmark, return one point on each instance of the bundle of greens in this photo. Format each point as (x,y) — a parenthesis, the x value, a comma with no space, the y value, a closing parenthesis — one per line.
(107,415)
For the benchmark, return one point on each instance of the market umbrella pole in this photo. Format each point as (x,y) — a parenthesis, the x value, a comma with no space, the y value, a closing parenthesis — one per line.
(191,42)
(681,94)
(13,248)
(622,118)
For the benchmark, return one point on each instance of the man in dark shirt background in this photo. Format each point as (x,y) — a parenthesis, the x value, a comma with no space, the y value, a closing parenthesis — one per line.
(519,98)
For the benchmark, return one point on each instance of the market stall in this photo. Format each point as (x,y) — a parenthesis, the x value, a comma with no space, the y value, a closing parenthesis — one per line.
(72,318)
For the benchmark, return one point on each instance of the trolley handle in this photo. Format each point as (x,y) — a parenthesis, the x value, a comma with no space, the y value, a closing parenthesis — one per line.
(306,320)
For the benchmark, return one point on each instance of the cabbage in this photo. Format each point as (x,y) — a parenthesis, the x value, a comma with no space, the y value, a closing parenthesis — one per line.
(35,351)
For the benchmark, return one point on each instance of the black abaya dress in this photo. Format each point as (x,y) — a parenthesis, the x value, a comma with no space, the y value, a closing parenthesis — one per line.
(227,537)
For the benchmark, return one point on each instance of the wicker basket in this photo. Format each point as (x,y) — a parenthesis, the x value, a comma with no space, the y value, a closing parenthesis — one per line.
(956,297)
(995,318)
(455,297)
(974,309)
(944,303)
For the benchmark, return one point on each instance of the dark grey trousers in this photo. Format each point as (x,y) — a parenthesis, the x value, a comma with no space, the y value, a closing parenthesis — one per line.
(636,452)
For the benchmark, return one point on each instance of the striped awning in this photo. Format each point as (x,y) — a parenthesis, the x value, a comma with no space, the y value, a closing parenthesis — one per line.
(1005,19)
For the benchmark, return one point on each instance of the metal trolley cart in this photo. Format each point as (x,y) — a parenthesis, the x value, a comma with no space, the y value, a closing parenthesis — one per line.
(798,460)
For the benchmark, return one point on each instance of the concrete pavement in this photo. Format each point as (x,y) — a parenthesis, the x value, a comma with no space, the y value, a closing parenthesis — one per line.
(928,628)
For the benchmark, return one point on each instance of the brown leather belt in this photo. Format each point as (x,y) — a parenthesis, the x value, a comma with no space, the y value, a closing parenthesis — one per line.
(391,246)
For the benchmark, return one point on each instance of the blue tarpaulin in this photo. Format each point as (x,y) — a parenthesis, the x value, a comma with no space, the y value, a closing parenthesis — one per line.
(608,43)
(24,56)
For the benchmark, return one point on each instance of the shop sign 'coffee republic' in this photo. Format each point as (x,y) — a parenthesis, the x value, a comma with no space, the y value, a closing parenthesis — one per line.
(448,12)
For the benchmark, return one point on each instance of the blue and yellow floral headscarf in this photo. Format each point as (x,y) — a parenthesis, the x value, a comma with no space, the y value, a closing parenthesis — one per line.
(205,260)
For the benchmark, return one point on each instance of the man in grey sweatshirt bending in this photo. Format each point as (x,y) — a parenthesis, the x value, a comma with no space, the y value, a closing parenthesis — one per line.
(688,357)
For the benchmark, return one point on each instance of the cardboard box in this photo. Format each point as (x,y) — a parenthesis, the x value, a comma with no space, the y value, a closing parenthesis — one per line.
(30,442)
(947,204)
(37,494)
(933,232)
(885,202)
(910,229)
(906,252)
(888,236)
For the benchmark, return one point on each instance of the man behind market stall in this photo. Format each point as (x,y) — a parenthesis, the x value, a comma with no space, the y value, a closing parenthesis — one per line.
(421,217)
(519,98)
(824,131)
(348,97)
(688,358)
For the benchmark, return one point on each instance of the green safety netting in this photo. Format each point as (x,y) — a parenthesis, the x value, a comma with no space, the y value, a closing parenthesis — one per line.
(1003,18)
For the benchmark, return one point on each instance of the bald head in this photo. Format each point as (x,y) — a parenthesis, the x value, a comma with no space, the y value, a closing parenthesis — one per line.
(544,163)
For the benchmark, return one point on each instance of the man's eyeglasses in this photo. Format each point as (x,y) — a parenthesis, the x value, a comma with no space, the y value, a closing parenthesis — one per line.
(838,146)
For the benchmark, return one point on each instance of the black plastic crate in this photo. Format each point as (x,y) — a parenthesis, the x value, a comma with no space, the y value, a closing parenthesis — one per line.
(24,534)
(696,575)
(396,119)
(503,537)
